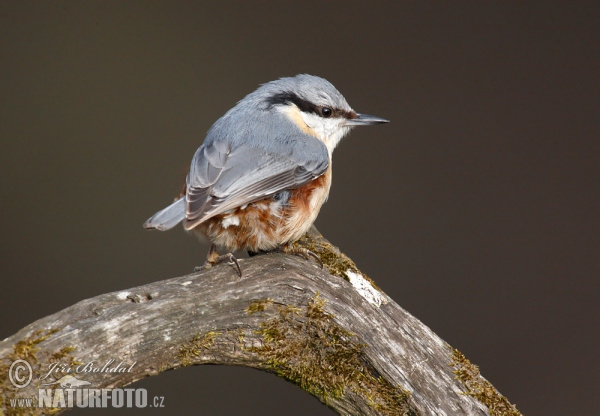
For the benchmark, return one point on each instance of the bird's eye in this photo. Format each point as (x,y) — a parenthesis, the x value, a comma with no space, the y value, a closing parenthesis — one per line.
(326,112)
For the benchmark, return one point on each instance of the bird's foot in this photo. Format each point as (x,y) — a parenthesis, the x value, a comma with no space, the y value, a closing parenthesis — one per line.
(213,258)
(300,251)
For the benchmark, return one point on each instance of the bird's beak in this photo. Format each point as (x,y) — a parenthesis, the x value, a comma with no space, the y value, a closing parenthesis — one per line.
(365,120)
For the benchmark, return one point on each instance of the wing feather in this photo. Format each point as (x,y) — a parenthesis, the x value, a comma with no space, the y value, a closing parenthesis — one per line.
(220,180)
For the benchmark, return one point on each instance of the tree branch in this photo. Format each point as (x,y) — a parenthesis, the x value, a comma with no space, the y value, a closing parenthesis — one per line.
(333,334)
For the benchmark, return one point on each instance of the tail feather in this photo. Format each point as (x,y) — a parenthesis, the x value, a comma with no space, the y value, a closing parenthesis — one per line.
(167,218)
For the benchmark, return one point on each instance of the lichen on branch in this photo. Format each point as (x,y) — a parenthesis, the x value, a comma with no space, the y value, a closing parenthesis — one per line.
(308,348)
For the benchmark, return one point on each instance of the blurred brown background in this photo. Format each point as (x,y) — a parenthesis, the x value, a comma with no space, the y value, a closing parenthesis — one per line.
(476,209)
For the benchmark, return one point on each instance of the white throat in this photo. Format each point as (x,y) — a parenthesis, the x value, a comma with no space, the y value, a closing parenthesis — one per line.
(329,130)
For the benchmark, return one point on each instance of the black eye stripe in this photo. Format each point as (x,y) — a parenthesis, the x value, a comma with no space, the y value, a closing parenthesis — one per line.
(306,106)
(289,97)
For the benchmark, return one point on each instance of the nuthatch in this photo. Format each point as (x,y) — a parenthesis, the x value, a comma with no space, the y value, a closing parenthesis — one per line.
(258,181)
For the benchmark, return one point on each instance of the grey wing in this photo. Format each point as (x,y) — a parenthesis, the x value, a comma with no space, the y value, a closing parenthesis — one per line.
(220,180)
(168,217)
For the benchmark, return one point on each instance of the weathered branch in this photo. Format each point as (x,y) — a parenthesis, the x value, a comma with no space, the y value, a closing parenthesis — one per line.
(334,335)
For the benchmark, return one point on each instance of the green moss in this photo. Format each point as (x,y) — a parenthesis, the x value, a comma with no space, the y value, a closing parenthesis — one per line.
(163,366)
(65,353)
(28,350)
(62,353)
(194,347)
(241,336)
(479,388)
(258,306)
(309,349)
(337,263)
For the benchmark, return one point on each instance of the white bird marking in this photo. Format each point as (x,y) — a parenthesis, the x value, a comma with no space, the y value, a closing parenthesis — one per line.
(232,220)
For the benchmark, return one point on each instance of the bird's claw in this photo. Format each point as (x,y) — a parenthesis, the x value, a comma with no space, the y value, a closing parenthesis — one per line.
(301,251)
(232,261)
(213,259)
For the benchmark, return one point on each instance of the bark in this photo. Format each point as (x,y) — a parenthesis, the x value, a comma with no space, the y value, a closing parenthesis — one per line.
(328,330)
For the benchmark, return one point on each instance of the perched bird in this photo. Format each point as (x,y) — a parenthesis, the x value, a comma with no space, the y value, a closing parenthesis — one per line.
(258,181)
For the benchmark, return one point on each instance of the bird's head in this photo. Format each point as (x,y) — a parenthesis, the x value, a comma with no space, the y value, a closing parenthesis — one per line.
(315,106)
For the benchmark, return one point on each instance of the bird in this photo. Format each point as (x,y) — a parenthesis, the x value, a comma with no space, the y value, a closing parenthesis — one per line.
(258,181)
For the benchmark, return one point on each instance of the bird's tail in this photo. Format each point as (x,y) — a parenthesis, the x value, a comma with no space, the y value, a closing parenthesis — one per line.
(167,218)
